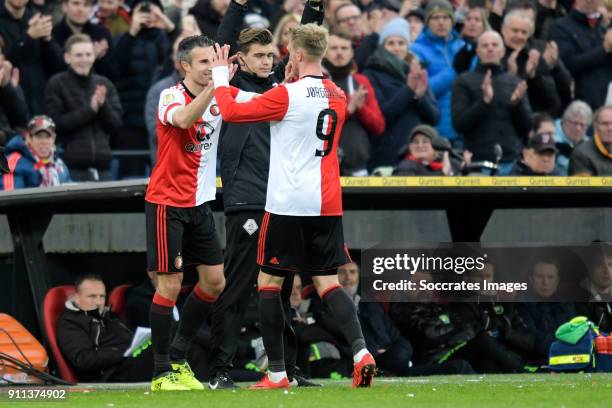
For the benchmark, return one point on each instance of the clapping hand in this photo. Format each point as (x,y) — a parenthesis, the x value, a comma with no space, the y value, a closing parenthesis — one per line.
(487,87)
(519,93)
(533,60)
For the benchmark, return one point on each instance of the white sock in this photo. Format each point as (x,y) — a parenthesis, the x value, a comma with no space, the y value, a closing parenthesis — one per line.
(277,377)
(357,357)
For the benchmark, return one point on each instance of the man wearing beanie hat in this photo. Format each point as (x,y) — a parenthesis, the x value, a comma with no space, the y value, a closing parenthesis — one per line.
(437,47)
(422,159)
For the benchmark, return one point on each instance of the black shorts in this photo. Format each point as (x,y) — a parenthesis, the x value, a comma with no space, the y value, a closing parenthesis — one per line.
(307,245)
(179,237)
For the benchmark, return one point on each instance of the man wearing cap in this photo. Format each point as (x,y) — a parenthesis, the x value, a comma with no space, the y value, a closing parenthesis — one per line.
(32,159)
(437,47)
(538,158)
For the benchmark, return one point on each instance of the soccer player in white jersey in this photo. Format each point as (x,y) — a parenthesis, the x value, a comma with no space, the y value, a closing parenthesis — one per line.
(302,229)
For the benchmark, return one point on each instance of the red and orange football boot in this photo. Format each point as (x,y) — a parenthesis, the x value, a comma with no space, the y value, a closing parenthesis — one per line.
(364,371)
(266,384)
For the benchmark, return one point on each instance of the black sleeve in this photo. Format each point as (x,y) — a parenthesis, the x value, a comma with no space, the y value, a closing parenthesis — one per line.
(66,122)
(466,113)
(522,117)
(111,113)
(80,350)
(576,61)
(13,103)
(230,26)
(52,55)
(311,15)
(366,48)
(107,66)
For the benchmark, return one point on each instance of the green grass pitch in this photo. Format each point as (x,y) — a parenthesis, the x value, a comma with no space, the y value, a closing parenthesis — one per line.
(516,391)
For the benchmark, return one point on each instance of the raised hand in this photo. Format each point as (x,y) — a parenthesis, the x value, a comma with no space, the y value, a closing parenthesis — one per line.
(607,44)
(220,56)
(357,99)
(511,64)
(533,60)
(290,73)
(422,84)
(5,74)
(15,77)
(551,54)
(487,87)
(519,93)
(100,48)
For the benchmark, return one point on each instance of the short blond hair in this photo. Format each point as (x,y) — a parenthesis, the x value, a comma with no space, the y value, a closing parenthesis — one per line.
(310,38)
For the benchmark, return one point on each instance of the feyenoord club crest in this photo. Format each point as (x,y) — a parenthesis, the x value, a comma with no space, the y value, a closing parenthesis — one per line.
(250,226)
(214,110)
(178,262)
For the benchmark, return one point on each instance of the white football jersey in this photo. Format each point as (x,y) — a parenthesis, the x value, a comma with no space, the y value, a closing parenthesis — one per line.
(306,119)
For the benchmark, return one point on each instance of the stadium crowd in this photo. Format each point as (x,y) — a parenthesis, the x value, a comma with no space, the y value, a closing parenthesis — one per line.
(436,88)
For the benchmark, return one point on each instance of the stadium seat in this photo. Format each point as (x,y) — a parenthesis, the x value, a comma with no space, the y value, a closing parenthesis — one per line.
(53,307)
(117,301)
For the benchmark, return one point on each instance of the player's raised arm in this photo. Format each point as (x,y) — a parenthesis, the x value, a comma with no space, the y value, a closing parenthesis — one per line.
(185,117)
(270,106)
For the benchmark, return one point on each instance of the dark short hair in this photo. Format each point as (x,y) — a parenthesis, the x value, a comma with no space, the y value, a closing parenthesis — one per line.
(90,2)
(76,39)
(549,260)
(540,118)
(86,277)
(250,36)
(188,44)
(599,111)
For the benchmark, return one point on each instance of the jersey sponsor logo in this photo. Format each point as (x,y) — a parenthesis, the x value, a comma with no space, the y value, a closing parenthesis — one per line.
(203,132)
(250,226)
(214,110)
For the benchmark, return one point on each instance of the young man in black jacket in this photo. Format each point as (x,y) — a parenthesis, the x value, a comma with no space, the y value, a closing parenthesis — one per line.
(86,110)
(244,153)
(94,341)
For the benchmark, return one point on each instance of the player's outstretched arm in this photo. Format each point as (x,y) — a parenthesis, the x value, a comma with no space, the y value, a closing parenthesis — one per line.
(186,116)
(270,106)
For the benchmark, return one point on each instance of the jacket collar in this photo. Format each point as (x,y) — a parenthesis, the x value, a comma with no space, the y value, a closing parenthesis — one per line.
(601,148)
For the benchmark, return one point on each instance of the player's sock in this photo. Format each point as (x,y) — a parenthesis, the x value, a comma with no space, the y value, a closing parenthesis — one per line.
(161,321)
(359,355)
(272,320)
(198,306)
(344,311)
(276,376)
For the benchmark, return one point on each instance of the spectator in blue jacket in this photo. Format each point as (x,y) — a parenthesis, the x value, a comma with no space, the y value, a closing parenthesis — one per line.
(402,90)
(32,159)
(571,131)
(437,47)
